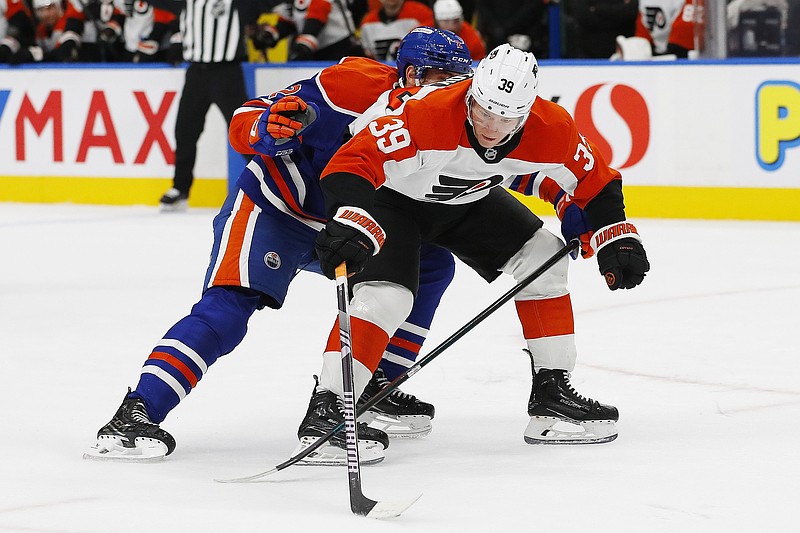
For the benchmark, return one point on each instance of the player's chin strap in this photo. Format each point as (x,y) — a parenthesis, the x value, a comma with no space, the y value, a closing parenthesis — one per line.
(416,367)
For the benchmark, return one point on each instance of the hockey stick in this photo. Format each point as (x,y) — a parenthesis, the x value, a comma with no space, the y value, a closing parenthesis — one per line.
(416,367)
(359,504)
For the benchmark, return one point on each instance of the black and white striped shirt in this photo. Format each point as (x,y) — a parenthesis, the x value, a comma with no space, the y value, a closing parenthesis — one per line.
(213,31)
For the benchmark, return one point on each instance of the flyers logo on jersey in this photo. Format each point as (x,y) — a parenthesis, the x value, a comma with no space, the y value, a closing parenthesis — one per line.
(450,187)
(631,145)
(655,18)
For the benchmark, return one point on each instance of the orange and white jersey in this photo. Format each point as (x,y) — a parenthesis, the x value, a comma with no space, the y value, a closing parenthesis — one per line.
(16,14)
(84,20)
(664,22)
(381,36)
(141,18)
(336,19)
(427,152)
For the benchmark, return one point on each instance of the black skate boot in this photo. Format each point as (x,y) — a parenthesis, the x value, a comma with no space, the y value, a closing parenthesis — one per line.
(559,415)
(325,412)
(400,415)
(174,200)
(131,436)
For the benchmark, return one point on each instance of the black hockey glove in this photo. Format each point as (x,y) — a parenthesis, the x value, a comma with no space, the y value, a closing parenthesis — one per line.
(67,52)
(5,53)
(303,48)
(265,37)
(30,54)
(352,237)
(620,255)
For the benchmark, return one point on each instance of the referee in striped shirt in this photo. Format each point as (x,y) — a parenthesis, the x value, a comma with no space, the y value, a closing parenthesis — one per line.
(214,45)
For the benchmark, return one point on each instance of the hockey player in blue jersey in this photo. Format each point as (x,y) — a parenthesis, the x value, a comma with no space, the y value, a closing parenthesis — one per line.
(266,231)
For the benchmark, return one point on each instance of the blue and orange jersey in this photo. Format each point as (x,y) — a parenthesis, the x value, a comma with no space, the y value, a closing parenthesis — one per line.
(288,179)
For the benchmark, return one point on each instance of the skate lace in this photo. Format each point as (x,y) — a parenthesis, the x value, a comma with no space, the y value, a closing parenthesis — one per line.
(383,382)
(138,414)
(575,393)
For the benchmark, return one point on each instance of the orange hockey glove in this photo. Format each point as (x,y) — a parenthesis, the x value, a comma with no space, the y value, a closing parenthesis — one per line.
(287,117)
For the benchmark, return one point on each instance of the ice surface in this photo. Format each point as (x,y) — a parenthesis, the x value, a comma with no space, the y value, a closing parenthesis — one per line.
(702,361)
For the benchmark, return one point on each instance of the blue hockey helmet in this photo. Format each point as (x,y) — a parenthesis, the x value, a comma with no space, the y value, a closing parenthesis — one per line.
(425,48)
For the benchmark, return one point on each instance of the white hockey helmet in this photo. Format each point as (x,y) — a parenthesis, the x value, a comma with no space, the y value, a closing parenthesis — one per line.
(506,82)
(447,10)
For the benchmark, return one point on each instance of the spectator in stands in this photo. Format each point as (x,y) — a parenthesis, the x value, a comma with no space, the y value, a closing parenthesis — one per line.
(40,36)
(19,31)
(521,23)
(382,29)
(449,15)
(468,7)
(151,34)
(599,22)
(322,30)
(92,32)
(668,25)
(49,15)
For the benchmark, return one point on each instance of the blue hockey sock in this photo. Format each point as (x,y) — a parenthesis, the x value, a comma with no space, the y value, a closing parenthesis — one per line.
(436,271)
(215,326)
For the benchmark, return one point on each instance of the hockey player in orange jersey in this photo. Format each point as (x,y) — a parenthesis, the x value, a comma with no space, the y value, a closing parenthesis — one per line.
(441,185)
(668,25)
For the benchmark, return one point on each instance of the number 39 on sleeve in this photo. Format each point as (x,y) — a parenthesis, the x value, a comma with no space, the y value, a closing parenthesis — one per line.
(391,136)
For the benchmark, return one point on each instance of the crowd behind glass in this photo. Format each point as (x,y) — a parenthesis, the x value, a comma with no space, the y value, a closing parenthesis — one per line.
(33,31)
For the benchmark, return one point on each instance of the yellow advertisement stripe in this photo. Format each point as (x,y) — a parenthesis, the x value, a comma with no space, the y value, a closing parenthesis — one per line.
(715,203)
(106,191)
(711,203)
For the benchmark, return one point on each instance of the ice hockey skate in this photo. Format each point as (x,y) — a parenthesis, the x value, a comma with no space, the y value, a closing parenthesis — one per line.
(173,201)
(325,412)
(131,436)
(399,415)
(559,415)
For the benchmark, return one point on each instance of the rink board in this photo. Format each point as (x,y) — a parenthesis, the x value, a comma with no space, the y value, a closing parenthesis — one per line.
(691,139)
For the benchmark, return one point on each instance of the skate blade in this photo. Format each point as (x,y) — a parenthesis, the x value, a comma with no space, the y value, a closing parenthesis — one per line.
(552,430)
(398,427)
(369,452)
(110,448)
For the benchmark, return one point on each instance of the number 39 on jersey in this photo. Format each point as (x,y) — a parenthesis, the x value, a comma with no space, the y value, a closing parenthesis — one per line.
(391,136)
